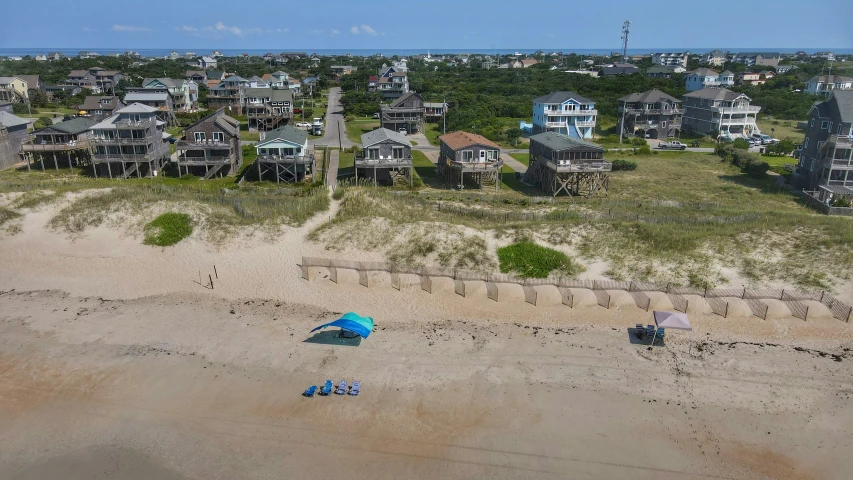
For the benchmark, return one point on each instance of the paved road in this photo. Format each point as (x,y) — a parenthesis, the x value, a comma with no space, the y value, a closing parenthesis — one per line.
(335,133)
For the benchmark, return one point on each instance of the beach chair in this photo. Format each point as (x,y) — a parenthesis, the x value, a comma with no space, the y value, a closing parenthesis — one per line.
(327,388)
(661,333)
(640,331)
(342,388)
(310,392)
(650,331)
(356,388)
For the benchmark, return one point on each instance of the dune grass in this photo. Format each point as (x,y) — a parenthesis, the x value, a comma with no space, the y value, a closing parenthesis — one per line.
(168,229)
(529,260)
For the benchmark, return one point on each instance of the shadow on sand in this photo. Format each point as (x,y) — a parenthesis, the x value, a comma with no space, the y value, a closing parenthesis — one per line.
(333,337)
(632,337)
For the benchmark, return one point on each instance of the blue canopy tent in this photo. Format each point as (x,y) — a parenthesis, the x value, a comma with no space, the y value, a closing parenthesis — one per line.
(351,323)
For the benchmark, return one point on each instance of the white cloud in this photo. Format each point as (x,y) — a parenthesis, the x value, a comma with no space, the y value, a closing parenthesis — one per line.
(334,32)
(368,30)
(130,28)
(186,28)
(354,31)
(224,28)
(316,32)
(282,30)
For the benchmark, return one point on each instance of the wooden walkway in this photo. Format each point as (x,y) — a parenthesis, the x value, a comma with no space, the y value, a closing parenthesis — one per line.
(332,172)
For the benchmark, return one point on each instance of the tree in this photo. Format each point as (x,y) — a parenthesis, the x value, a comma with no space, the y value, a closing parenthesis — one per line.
(741,143)
(38,99)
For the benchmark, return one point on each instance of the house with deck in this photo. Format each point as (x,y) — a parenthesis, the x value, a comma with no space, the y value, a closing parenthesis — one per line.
(769,59)
(65,142)
(210,147)
(664,71)
(339,71)
(564,112)
(184,93)
(826,84)
(404,113)
(707,78)
(130,143)
(197,76)
(15,129)
(283,156)
(825,168)
(722,110)
(433,111)
(95,78)
(34,82)
(386,158)
(268,108)
(716,58)
(653,113)
(159,99)
(228,92)
(468,159)
(206,62)
(671,58)
(563,164)
(100,106)
(13,90)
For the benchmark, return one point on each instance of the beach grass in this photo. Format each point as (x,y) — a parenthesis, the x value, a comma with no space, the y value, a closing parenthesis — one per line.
(529,260)
(168,229)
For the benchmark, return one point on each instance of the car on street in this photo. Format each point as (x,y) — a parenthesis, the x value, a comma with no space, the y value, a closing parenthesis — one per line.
(763,138)
(403,131)
(375,115)
(673,145)
(303,125)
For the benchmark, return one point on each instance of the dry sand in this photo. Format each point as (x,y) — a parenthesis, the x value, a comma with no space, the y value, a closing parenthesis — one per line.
(115,363)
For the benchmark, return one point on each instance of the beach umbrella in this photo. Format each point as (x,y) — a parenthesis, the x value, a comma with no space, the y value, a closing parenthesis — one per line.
(673,320)
(351,322)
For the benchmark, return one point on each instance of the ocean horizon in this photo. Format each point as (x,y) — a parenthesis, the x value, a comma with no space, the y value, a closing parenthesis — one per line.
(389,52)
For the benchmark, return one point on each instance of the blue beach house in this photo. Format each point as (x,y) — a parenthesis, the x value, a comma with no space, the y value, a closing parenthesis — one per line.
(564,112)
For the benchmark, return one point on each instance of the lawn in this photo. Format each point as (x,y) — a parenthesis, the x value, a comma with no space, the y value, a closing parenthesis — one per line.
(346,164)
(782,129)
(521,157)
(432,131)
(356,128)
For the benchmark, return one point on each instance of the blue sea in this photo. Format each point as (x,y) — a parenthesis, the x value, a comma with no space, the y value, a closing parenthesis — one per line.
(162,52)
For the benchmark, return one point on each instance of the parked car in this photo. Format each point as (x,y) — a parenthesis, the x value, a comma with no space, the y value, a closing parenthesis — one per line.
(764,139)
(303,125)
(403,131)
(673,145)
(375,115)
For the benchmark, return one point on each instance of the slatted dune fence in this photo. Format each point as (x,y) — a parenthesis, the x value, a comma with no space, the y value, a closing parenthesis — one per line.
(725,292)
(603,298)
(641,299)
(757,307)
(459,287)
(678,302)
(568,298)
(798,309)
(765,293)
(530,294)
(610,285)
(492,290)
(718,306)
(839,310)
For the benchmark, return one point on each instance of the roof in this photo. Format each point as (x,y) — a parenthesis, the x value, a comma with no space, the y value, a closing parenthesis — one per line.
(716,53)
(840,104)
(559,142)
(137,108)
(207,59)
(434,104)
(6,80)
(167,82)
(457,140)
(190,73)
(73,126)
(380,135)
(288,133)
(829,79)
(727,73)
(94,103)
(279,73)
(650,96)
(715,94)
(32,80)
(10,120)
(274,94)
(146,97)
(78,73)
(705,72)
(224,122)
(560,97)
(405,97)
(662,69)
(215,74)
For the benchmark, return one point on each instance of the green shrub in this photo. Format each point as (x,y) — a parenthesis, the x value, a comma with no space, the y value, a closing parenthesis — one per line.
(626,165)
(645,150)
(339,193)
(528,260)
(168,229)
(757,170)
(741,143)
(840,202)
(639,141)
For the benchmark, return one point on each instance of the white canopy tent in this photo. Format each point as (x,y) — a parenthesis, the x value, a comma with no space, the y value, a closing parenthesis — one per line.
(670,320)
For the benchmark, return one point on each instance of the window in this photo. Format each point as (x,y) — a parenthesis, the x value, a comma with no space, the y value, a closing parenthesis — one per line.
(373,154)
(812,123)
(467,155)
(482,155)
(218,137)
(398,152)
(823,125)
(199,136)
(806,144)
(839,129)
(819,145)
(830,127)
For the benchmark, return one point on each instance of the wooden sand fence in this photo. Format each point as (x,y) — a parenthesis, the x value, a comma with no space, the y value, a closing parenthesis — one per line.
(716,298)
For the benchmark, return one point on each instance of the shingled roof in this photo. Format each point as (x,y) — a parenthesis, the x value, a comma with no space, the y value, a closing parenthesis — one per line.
(73,126)
(287,133)
(458,140)
(650,96)
(380,135)
(715,94)
(559,142)
(560,97)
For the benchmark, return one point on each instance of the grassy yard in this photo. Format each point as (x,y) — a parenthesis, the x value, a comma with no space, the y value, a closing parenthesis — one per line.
(432,131)
(249,136)
(346,164)
(360,126)
(521,157)
(782,128)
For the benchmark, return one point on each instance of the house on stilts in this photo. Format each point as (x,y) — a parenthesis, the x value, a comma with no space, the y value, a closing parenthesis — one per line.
(130,143)
(283,155)
(468,157)
(210,147)
(563,164)
(64,142)
(386,157)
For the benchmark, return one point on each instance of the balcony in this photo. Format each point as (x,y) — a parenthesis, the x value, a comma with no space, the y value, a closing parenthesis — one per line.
(128,123)
(731,110)
(362,162)
(55,147)
(841,139)
(120,141)
(654,111)
(570,113)
(580,166)
(289,159)
(204,160)
(199,145)
(584,123)
(126,157)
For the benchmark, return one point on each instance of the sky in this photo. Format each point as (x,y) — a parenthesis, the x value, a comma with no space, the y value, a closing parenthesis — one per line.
(437,24)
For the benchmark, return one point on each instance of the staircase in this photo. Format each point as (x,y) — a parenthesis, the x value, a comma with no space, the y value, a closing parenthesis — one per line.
(130,171)
(211,172)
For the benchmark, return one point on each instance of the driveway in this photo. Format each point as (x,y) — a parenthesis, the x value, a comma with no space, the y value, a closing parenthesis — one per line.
(335,132)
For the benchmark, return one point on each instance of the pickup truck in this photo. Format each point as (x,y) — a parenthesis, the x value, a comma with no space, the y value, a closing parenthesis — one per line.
(674,145)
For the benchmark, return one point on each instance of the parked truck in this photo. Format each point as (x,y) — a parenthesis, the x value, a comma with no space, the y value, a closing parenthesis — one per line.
(673,145)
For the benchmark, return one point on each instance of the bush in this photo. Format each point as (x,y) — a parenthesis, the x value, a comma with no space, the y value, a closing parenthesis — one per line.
(22,109)
(168,229)
(840,202)
(639,142)
(741,143)
(643,151)
(757,170)
(625,165)
(528,260)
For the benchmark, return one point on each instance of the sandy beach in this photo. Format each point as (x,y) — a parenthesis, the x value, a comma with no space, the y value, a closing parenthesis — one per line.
(116,362)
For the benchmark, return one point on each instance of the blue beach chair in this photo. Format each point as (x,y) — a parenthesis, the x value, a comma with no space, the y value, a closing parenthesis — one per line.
(310,392)
(342,388)
(327,388)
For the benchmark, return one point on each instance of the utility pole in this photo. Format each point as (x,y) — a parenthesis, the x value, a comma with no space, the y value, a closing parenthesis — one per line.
(444,116)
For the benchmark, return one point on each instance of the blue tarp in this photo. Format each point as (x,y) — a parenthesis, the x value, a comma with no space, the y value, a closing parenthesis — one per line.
(353,322)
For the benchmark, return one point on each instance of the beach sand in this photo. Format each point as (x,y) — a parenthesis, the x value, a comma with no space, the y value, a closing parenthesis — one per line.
(116,362)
